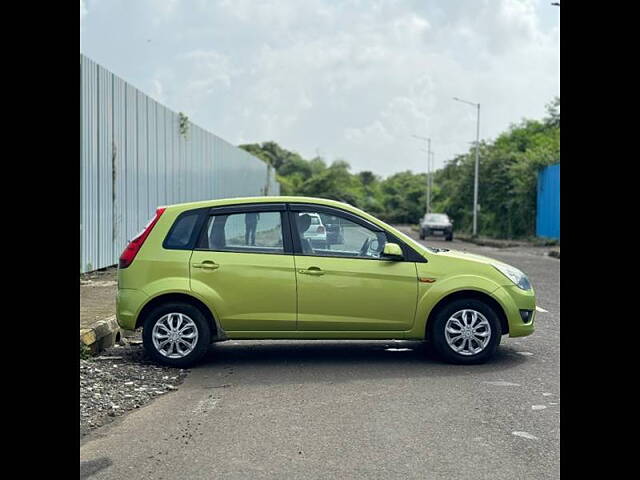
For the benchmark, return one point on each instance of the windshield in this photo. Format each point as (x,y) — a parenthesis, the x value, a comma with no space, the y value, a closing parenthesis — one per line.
(436,217)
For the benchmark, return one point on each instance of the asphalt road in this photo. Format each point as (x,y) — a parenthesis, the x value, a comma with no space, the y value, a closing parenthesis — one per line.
(368,409)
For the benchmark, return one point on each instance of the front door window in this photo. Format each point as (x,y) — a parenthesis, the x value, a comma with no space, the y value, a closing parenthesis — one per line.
(328,235)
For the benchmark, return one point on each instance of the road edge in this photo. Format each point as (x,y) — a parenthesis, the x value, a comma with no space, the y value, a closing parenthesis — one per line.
(555,254)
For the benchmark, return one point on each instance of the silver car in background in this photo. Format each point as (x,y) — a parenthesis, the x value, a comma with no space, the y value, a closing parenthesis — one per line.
(436,224)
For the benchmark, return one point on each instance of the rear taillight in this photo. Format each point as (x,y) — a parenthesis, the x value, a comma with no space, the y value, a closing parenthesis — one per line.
(132,249)
(320,229)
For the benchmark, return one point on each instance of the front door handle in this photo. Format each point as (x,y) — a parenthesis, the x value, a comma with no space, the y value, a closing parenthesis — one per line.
(311,271)
(206,265)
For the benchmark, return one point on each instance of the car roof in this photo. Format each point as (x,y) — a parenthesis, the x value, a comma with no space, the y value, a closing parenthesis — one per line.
(271,199)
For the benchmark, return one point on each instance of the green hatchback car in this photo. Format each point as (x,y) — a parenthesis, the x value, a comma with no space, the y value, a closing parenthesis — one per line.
(244,268)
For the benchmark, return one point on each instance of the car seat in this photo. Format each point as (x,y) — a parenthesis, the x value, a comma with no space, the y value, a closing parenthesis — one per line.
(304,222)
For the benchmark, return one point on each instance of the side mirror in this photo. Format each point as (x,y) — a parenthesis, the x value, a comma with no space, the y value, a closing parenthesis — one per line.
(392,251)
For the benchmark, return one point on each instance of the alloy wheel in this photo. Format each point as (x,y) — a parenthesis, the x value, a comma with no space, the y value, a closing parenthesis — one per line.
(467,332)
(175,335)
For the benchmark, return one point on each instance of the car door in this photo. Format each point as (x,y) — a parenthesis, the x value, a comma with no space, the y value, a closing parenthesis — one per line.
(347,286)
(243,267)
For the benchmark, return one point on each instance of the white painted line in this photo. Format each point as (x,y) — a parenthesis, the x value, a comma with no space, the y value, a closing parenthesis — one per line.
(539,309)
(526,354)
(525,435)
(538,407)
(501,383)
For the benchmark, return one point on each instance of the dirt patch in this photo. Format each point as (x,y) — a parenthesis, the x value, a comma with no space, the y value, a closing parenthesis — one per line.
(98,295)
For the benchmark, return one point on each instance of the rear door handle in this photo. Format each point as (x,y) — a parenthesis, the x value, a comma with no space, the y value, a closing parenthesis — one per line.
(311,271)
(206,265)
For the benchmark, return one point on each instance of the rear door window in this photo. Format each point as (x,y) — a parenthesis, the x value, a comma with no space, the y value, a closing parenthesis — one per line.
(246,232)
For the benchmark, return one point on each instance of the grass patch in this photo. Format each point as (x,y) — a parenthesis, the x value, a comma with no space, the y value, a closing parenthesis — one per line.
(85,351)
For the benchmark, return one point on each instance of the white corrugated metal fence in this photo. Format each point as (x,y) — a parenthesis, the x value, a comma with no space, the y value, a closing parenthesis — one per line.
(134,157)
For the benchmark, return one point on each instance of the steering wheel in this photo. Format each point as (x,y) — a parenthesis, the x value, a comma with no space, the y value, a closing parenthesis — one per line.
(365,248)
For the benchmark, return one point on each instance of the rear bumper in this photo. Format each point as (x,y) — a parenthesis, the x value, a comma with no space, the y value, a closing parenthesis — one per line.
(129,302)
(514,299)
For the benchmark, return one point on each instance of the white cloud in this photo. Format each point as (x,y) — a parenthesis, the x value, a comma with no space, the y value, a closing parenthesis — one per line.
(352,78)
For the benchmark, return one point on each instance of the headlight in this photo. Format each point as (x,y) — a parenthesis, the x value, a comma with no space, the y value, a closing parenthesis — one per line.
(513,274)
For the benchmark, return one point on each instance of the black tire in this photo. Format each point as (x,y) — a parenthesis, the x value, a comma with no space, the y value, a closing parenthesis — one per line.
(202,325)
(439,341)
(421,234)
(449,237)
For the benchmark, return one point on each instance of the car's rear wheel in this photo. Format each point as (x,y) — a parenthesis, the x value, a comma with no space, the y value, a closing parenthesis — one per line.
(466,331)
(176,334)
(421,234)
(449,237)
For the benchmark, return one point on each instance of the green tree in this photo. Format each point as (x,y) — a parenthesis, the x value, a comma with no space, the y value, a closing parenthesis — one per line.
(509,169)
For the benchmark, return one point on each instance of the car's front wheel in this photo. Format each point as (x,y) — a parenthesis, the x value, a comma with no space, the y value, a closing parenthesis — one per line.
(176,334)
(466,331)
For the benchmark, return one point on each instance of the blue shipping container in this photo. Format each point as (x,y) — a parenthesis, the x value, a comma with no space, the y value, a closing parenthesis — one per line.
(548,211)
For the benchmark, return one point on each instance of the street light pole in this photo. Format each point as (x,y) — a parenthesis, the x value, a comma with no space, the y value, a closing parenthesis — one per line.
(428,140)
(428,177)
(431,171)
(475,182)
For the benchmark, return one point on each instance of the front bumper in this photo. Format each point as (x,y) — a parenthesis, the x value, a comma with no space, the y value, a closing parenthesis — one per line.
(437,229)
(513,299)
(129,302)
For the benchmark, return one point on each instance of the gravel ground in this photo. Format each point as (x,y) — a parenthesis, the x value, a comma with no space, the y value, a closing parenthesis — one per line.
(121,379)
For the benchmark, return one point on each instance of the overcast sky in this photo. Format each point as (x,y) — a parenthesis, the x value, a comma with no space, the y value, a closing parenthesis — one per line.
(348,79)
